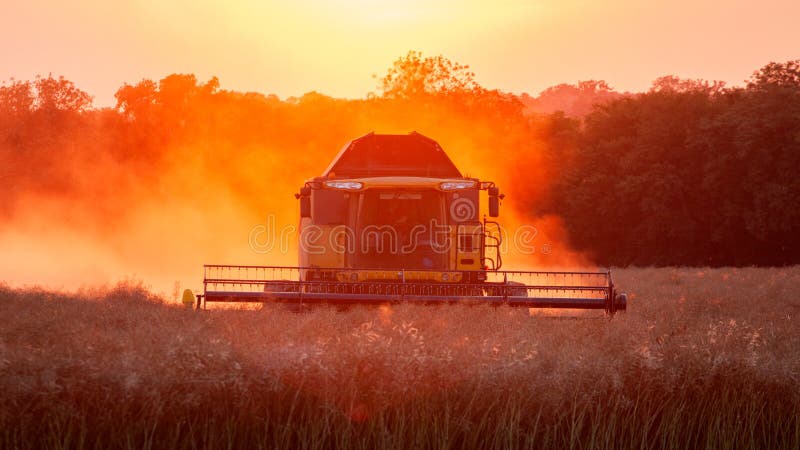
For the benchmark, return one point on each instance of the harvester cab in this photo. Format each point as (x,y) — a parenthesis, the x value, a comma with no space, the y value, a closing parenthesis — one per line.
(395,202)
(393,220)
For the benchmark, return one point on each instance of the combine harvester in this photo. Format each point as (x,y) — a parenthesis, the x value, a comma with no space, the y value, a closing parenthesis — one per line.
(392,220)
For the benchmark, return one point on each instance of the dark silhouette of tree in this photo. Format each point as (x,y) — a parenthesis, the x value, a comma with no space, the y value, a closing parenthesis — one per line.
(135,101)
(777,75)
(573,100)
(59,94)
(17,98)
(689,173)
(414,75)
(671,83)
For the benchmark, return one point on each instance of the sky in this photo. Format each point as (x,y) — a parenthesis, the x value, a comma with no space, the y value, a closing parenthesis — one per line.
(336,47)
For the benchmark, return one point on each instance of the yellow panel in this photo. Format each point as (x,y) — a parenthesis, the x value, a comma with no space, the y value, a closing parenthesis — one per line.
(469,246)
(323,247)
(397,275)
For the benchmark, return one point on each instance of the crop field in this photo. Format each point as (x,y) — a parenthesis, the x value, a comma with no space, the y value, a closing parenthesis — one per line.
(704,358)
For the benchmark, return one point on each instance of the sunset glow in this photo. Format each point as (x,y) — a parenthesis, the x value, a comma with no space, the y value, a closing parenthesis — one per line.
(399,224)
(336,46)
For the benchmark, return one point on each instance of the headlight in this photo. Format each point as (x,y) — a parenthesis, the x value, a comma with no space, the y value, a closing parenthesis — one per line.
(453,185)
(445,277)
(349,185)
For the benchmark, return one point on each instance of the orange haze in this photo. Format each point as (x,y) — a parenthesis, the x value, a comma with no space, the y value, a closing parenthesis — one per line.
(334,46)
(183,174)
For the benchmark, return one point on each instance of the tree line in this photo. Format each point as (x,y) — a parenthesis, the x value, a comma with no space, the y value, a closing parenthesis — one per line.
(690,172)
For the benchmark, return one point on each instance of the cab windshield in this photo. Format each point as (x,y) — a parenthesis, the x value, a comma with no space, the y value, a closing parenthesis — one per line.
(398,230)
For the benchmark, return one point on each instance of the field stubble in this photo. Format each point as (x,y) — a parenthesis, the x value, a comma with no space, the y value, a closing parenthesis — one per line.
(703,358)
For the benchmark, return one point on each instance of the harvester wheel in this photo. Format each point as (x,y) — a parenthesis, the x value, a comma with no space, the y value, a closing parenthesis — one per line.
(621,301)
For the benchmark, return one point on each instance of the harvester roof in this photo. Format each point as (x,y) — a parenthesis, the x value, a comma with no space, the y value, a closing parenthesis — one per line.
(392,155)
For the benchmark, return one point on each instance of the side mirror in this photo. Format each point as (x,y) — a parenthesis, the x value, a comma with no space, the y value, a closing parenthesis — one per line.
(305,202)
(494,202)
(494,206)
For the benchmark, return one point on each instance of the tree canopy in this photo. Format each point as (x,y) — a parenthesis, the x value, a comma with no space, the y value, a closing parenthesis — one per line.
(413,76)
(690,172)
